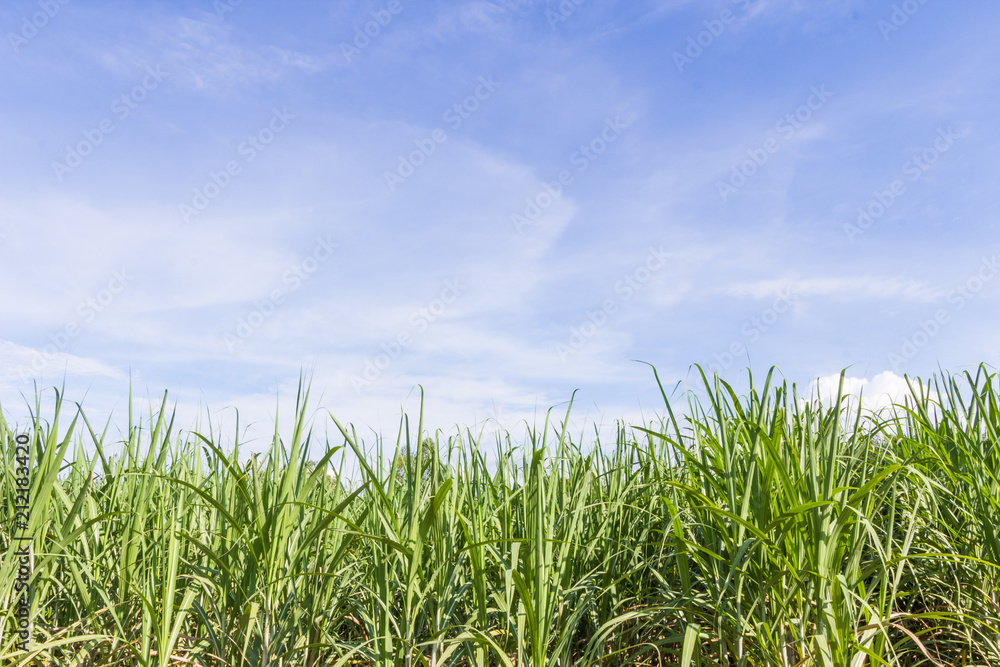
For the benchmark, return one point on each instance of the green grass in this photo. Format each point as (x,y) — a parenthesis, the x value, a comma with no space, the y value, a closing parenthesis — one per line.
(750,530)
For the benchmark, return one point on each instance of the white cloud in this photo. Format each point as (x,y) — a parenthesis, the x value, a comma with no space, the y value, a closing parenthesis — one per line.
(881,395)
(844,289)
(204,55)
(47,364)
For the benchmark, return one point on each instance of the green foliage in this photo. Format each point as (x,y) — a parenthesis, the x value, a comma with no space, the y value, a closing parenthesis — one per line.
(755,531)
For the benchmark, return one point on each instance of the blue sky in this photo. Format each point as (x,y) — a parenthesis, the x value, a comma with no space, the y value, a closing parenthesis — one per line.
(501,201)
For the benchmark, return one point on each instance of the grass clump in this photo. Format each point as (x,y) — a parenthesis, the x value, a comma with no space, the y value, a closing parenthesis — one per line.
(756,530)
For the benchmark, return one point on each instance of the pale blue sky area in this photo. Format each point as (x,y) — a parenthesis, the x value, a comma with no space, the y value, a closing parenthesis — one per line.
(502,201)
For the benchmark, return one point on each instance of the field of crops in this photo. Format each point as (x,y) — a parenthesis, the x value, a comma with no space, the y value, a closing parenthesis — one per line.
(755,530)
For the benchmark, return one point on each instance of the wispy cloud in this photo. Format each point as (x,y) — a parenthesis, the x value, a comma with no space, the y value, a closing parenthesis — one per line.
(207,55)
(840,288)
(19,363)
